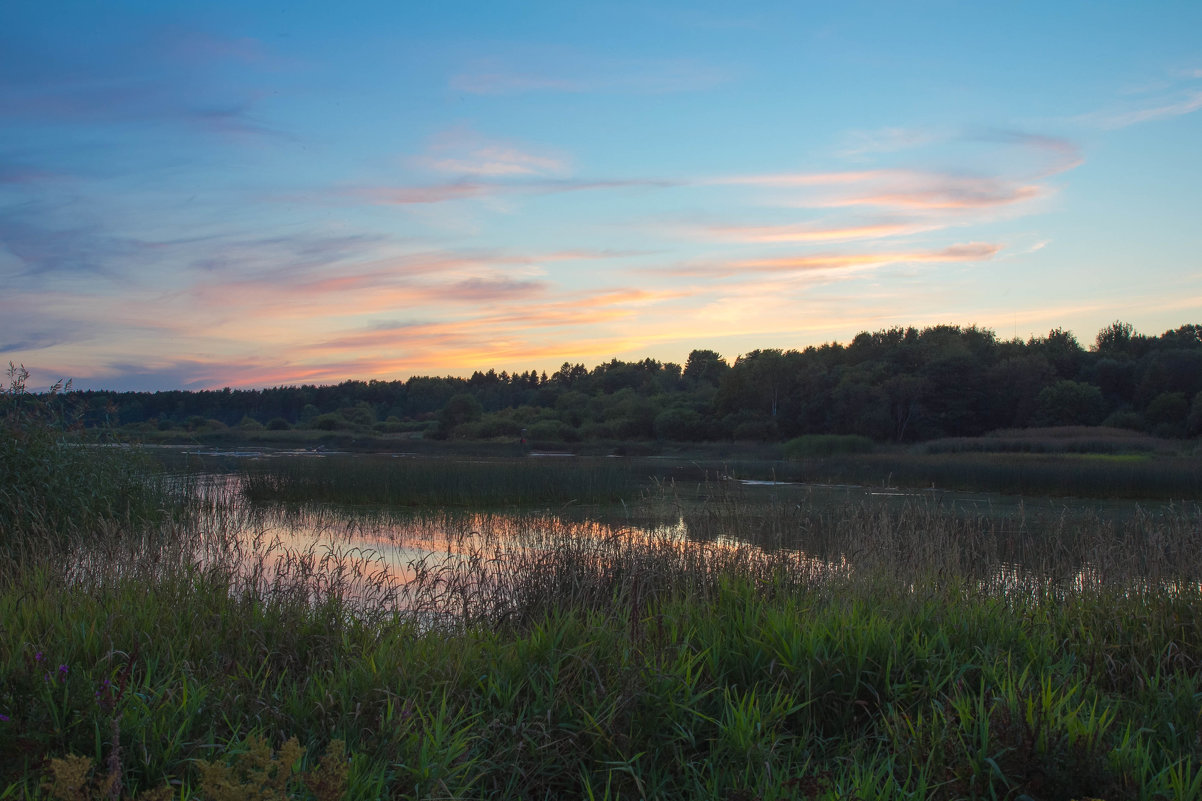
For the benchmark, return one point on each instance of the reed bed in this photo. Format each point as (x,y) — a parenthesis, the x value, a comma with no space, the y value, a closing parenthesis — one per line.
(737,651)
(441,482)
(1085,475)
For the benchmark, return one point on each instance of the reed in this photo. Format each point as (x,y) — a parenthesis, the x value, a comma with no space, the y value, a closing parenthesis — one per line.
(1029,474)
(427,482)
(870,651)
(54,485)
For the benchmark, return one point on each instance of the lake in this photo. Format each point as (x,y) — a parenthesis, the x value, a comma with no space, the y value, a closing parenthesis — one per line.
(387,524)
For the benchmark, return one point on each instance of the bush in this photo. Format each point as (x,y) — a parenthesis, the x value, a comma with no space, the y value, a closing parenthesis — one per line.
(328,422)
(1168,408)
(552,431)
(278,424)
(680,424)
(1127,419)
(756,430)
(816,445)
(1068,403)
(52,485)
(490,427)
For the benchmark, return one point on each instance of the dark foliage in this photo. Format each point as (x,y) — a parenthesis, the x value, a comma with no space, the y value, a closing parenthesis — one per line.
(899,384)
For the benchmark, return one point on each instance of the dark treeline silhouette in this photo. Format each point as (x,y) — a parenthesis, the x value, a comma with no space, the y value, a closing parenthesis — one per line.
(900,384)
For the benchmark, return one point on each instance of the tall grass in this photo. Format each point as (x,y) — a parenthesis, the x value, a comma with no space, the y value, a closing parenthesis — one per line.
(1087,475)
(429,482)
(53,483)
(901,653)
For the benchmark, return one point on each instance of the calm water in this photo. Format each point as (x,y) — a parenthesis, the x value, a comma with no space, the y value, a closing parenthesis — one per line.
(821,524)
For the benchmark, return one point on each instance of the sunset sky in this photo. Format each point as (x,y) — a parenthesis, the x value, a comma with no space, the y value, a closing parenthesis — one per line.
(199,195)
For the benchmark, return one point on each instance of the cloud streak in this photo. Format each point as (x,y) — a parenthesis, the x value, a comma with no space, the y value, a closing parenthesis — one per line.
(802,233)
(844,262)
(466,190)
(1124,119)
(581,74)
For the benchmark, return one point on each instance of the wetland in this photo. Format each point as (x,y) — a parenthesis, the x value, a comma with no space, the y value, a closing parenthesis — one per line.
(339,625)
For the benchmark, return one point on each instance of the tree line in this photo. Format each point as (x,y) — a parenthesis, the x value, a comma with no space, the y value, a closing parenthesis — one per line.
(898,384)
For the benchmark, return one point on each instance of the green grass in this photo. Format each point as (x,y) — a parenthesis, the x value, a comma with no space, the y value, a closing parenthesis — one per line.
(52,484)
(571,665)
(439,482)
(1134,476)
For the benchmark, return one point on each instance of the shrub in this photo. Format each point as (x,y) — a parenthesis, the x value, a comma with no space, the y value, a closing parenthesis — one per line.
(328,422)
(680,424)
(814,445)
(552,431)
(50,483)
(1067,403)
(1128,419)
(278,424)
(756,430)
(1169,408)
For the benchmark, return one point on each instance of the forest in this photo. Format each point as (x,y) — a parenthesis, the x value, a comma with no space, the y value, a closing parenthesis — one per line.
(893,385)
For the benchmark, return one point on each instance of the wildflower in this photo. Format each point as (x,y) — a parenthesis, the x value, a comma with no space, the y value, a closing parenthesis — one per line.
(104,694)
(4,718)
(37,657)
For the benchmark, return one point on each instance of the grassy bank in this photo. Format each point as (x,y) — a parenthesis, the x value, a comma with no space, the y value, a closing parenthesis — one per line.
(578,667)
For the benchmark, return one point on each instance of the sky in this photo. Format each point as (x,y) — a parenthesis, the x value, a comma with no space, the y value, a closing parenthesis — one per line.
(248,194)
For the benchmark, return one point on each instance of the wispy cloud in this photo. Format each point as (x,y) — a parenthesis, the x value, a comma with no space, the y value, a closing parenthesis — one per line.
(580,73)
(809,233)
(860,144)
(1188,104)
(151,77)
(942,193)
(461,151)
(843,262)
(896,188)
(495,161)
(463,190)
(1176,95)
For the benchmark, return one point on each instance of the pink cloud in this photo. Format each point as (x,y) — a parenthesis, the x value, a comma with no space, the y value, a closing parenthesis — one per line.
(412,195)
(462,151)
(810,233)
(945,193)
(973,251)
(902,189)
(461,190)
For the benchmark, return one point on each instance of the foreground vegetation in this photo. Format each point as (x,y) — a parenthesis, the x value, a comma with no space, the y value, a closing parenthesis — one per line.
(864,650)
(620,667)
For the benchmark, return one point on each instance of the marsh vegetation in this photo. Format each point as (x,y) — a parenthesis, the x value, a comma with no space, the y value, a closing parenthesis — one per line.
(364,628)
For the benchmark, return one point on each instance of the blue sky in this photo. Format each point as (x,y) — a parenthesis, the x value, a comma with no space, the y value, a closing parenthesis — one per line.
(247,194)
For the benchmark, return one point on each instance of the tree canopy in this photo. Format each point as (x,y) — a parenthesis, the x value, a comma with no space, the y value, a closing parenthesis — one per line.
(897,384)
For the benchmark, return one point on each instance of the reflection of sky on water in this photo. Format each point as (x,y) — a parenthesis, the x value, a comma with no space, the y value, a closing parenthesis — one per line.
(997,539)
